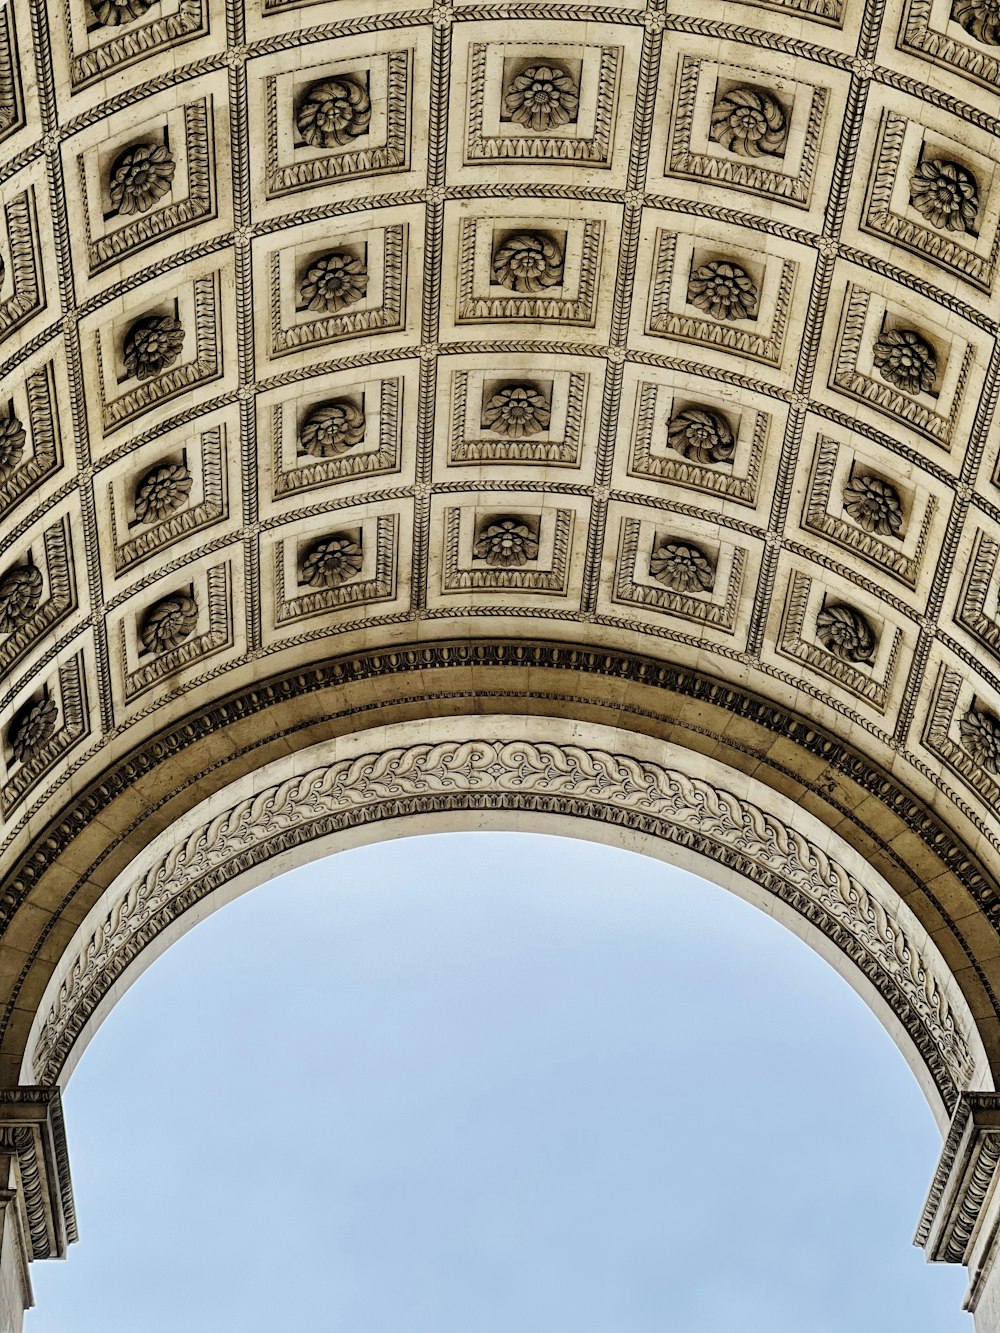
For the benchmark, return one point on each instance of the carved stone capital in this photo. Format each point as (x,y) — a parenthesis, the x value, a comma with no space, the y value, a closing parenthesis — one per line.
(32,1134)
(961,1218)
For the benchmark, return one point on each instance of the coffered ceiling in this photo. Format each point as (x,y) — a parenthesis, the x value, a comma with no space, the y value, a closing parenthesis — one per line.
(661,328)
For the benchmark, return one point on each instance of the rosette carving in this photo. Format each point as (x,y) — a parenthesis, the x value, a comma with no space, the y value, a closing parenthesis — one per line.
(162,491)
(980,733)
(542,98)
(528,261)
(12,438)
(979,18)
(517,410)
(723,290)
(682,567)
(701,435)
(906,360)
(946,194)
(167,624)
(20,594)
(846,633)
(32,728)
(750,122)
(874,505)
(118,13)
(151,345)
(332,428)
(333,112)
(334,281)
(140,176)
(506,543)
(332,561)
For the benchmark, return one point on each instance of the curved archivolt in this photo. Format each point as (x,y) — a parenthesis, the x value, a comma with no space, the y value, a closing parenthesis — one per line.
(614,362)
(325,797)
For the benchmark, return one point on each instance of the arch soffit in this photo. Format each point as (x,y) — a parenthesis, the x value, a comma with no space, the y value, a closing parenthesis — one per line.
(529,773)
(104,826)
(840,533)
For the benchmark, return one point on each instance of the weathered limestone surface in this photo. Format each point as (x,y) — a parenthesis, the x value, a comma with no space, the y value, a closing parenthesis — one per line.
(549,413)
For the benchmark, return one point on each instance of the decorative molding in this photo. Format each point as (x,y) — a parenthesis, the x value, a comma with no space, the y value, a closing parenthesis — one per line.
(515,775)
(917,37)
(562,144)
(366,459)
(366,589)
(667,465)
(34,403)
(11,95)
(197,204)
(33,1133)
(979,591)
(963,1185)
(476,305)
(286,172)
(631,590)
(760,174)
(957,255)
(792,642)
(103,56)
(880,394)
(216,636)
(157,537)
(69,686)
(178,378)
(830,12)
(766,346)
(313,331)
(820,517)
(478,445)
(23,260)
(52,552)
(462,572)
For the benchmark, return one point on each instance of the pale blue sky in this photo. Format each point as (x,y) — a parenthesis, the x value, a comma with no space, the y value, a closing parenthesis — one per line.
(489,1083)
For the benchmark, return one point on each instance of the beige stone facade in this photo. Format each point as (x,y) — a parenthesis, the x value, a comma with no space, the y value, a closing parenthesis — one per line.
(529,414)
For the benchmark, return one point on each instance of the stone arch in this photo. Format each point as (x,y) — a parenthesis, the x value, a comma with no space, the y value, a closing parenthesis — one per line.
(361,369)
(529,773)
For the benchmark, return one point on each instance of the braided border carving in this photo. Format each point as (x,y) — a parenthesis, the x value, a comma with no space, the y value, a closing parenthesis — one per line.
(566,779)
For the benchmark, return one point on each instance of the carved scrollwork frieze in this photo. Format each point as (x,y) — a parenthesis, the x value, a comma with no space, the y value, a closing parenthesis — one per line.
(519,774)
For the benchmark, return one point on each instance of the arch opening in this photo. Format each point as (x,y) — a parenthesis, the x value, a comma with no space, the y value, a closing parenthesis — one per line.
(521,773)
(597,909)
